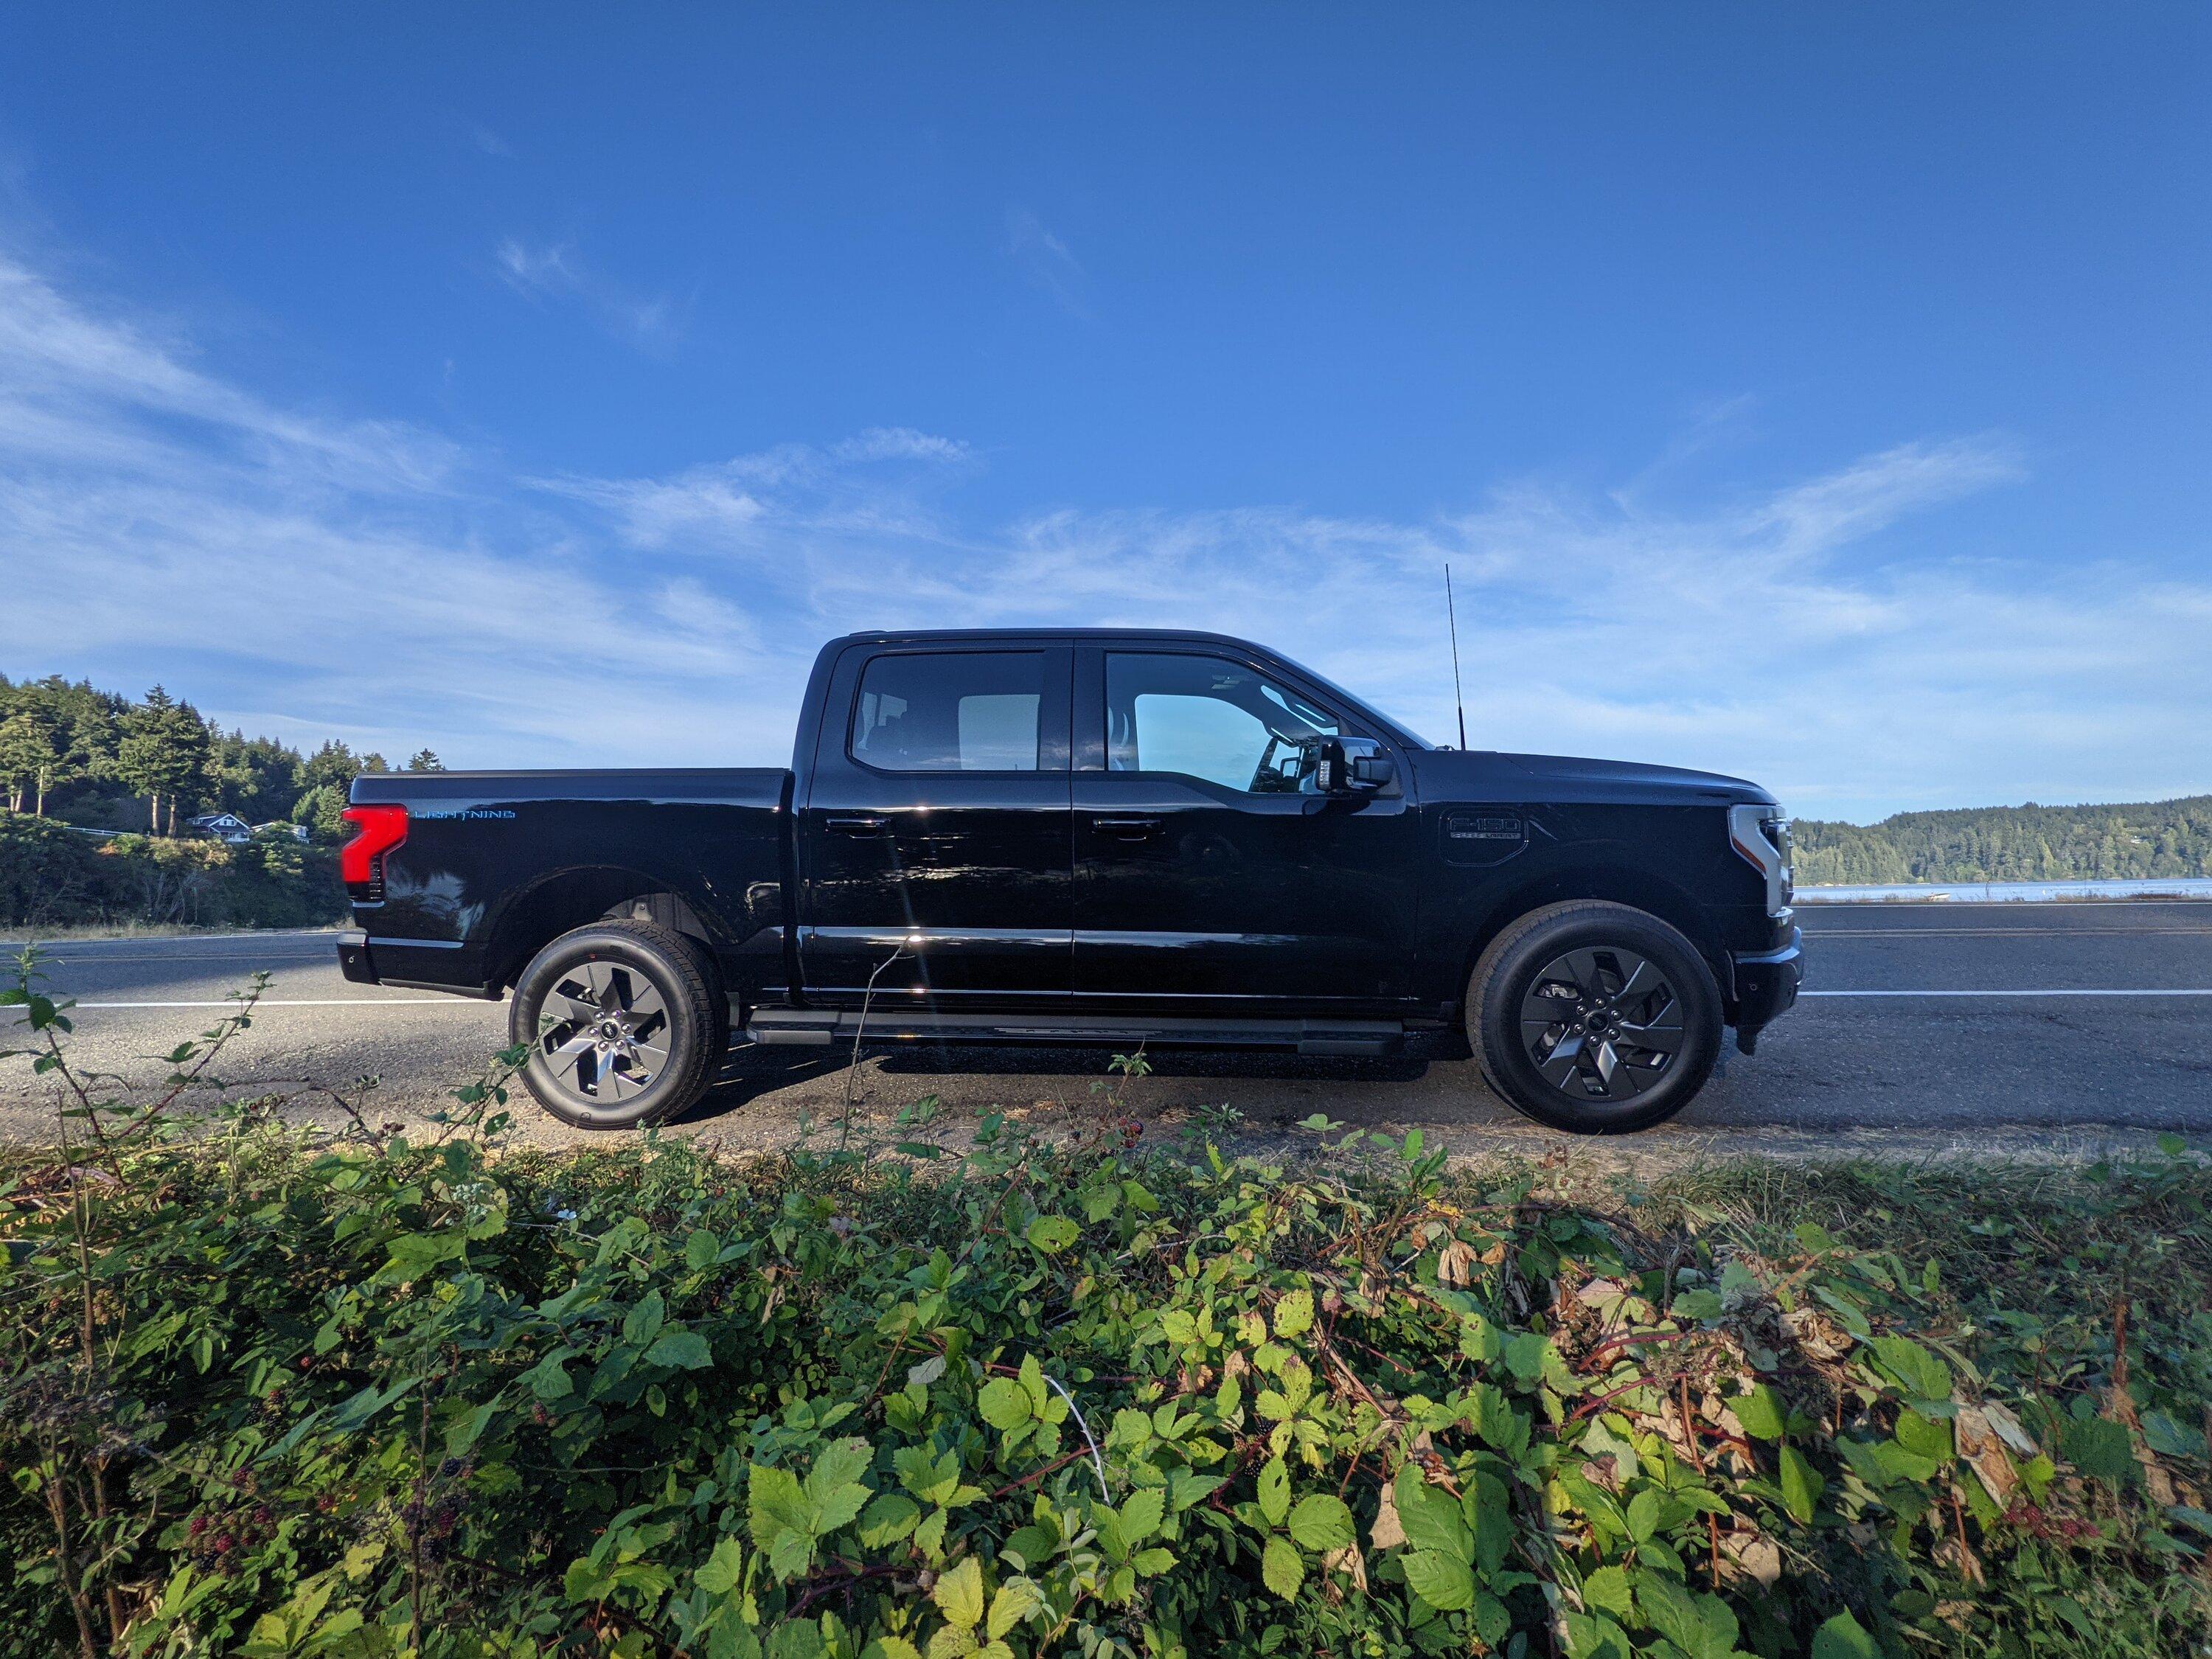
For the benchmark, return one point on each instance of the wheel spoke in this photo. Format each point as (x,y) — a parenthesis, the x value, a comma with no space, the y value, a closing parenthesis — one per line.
(1640,981)
(1563,1060)
(1663,1039)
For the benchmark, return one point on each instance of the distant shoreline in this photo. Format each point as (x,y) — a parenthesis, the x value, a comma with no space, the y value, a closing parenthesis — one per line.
(2012,892)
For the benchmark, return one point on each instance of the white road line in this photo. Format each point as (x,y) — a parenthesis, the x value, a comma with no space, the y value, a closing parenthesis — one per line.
(1980,933)
(2190,993)
(300,1002)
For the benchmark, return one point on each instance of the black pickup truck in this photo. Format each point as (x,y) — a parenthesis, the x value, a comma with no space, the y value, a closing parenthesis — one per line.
(1108,837)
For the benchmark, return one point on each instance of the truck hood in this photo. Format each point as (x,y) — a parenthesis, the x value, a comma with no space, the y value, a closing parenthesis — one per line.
(1489,775)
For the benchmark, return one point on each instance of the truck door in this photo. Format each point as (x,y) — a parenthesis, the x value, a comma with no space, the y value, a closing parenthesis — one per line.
(1211,875)
(937,809)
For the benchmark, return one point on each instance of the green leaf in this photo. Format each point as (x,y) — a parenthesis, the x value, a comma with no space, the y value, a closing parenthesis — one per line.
(1441,1579)
(701,1249)
(1004,1404)
(2099,1447)
(1760,1413)
(959,1595)
(1672,1611)
(643,1322)
(1280,1569)
(414,1255)
(1140,1515)
(1924,1436)
(1911,1367)
(1801,1486)
(1698,1305)
(1274,1492)
(1321,1521)
(1844,1638)
(1524,1356)
(723,1569)
(1608,1588)
(685,1350)
(887,1520)
(1052,1233)
(1294,1313)
(1015,1600)
(1429,1518)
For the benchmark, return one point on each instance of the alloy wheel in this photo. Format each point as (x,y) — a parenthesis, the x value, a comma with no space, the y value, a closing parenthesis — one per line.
(1601,1024)
(603,1034)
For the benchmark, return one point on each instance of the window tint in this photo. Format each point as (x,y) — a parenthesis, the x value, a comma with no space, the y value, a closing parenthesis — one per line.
(955,711)
(1212,718)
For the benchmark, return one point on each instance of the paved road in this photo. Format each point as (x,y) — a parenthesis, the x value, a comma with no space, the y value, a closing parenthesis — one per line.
(2007,1026)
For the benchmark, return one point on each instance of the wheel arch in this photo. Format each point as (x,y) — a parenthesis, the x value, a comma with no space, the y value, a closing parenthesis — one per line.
(564,900)
(1608,883)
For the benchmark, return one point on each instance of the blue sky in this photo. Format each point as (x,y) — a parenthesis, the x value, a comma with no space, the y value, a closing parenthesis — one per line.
(1814,393)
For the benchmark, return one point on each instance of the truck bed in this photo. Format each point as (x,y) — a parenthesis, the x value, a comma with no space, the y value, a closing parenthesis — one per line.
(487,852)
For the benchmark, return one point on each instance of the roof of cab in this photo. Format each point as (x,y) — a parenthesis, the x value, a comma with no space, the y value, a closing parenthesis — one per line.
(943,636)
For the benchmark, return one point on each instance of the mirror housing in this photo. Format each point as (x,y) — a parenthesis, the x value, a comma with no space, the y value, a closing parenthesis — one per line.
(1373,771)
(1355,769)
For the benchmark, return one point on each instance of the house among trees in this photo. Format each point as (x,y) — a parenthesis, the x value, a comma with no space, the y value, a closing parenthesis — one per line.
(224,827)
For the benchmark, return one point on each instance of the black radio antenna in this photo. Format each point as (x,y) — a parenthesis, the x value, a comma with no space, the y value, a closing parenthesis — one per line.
(1452,616)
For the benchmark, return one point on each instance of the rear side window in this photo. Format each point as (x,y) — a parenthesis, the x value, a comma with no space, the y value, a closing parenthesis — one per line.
(953,711)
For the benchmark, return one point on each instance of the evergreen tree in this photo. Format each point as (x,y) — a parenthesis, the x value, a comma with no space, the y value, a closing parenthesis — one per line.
(425,761)
(28,756)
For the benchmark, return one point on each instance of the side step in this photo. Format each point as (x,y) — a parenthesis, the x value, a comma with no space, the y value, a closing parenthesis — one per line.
(820,1027)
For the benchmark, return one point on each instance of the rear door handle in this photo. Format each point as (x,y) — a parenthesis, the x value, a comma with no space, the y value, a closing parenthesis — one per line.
(859,824)
(1126,829)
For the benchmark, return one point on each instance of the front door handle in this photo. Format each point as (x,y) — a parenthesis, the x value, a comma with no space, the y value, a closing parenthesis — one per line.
(1126,829)
(859,824)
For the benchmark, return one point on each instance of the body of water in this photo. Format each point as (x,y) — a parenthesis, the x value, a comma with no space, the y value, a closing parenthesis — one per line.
(2031,892)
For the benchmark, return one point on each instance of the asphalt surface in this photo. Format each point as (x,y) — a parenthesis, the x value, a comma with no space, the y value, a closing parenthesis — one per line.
(2030,1029)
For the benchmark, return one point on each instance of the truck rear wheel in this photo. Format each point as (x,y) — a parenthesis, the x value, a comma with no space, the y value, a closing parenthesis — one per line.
(1594,1017)
(621,1022)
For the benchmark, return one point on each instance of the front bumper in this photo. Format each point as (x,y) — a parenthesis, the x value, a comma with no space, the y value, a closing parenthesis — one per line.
(1767,984)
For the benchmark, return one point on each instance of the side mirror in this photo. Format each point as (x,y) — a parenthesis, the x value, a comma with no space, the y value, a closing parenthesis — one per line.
(1342,770)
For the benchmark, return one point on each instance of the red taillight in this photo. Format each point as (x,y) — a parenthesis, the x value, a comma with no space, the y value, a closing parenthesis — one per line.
(376,831)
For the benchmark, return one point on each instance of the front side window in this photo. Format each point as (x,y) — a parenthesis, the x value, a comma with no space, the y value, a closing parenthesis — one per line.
(952,711)
(1210,718)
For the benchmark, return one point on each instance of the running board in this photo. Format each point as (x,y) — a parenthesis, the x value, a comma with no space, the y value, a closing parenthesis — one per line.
(820,1027)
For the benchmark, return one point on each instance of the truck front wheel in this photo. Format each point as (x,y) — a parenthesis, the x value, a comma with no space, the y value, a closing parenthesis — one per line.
(1594,1017)
(620,1023)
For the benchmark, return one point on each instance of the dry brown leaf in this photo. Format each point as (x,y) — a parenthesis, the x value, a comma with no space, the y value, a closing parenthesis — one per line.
(1455,1263)
(1349,1560)
(1979,1444)
(1386,1532)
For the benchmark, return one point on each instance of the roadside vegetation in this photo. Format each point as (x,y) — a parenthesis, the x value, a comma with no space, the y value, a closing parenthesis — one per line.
(97,799)
(1049,1389)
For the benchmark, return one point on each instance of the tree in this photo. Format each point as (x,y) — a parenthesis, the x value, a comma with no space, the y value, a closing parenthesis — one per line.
(372,762)
(333,763)
(425,761)
(163,754)
(27,757)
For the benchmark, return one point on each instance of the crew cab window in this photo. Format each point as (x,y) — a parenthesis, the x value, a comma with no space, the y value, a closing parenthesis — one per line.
(1210,718)
(952,711)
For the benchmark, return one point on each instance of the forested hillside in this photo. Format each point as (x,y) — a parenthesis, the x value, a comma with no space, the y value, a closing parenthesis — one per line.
(2012,843)
(89,757)
(75,759)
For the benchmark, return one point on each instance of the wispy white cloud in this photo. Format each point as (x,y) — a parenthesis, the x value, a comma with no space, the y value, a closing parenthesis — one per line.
(159,520)
(652,322)
(1047,261)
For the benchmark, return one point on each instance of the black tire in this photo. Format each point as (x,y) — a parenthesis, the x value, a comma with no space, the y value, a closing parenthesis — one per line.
(1594,1017)
(649,1048)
